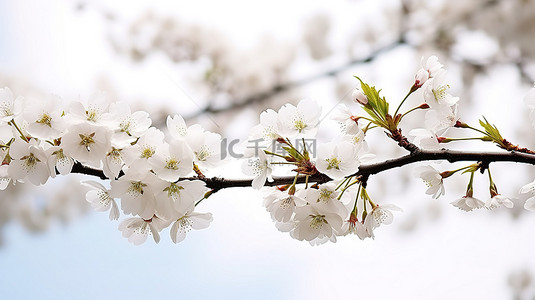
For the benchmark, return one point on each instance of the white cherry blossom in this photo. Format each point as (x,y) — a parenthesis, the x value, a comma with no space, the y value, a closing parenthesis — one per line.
(100,199)
(426,139)
(57,160)
(268,129)
(94,111)
(178,198)
(139,154)
(381,214)
(442,118)
(136,190)
(328,195)
(128,126)
(282,206)
(206,147)
(259,167)
(530,190)
(176,126)
(337,160)
(86,143)
(346,120)
(44,117)
(5,179)
(172,161)
(433,180)
(436,91)
(190,220)
(113,162)
(468,203)
(354,226)
(497,201)
(299,121)
(9,106)
(28,162)
(316,221)
(429,69)
(137,229)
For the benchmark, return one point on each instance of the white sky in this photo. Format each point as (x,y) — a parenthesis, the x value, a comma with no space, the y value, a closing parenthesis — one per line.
(242,255)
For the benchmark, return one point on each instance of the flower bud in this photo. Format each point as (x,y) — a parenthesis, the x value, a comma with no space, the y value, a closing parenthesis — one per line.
(420,78)
(360,97)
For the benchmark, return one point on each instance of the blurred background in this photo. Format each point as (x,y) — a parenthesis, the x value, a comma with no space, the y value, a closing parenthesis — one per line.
(221,63)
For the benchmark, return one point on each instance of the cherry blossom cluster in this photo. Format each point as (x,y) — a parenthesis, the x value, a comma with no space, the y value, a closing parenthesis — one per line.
(160,179)
(43,137)
(316,213)
(319,212)
(441,116)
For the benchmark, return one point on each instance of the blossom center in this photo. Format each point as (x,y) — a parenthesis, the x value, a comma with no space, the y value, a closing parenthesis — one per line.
(173,191)
(333,163)
(270,133)
(172,164)
(317,221)
(5,108)
(115,154)
(30,160)
(45,119)
(87,140)
(380,216)
(147,152)
(286,203)
(203,153)
(104,198)
(92,115)
(299,124)
(143,229)
(440,92)
(258,166)
(184,224)
(125,125)
(325,195)
(136,187)
(181,130)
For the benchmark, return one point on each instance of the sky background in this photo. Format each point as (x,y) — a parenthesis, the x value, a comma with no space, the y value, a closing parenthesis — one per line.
(451,254)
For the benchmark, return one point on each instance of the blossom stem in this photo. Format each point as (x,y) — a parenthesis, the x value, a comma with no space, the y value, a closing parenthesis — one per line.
(449,173)
(403,101)
(355,210)
(289,143)
(447,140)
(274,154)
(368,119)
(478,130)
(348,186)
(206,195)
(22,136)
(283,163)
(492,186)
(409,111)
(470,188)
(368,127)
(343,181)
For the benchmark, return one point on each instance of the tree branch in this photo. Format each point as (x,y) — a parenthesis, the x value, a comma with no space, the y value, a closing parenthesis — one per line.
(279,88)
(217,183)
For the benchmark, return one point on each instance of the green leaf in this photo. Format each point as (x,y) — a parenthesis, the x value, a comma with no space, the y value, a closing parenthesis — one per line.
(292,152)
(375,102)
(491,130)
